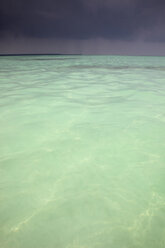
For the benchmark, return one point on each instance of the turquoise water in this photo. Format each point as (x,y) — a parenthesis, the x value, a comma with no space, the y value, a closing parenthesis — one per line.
(82,152)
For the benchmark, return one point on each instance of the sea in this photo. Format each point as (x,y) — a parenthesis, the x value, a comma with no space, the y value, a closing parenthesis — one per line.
(82,151)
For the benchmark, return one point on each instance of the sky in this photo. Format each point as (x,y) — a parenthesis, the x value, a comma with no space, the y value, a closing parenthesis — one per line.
(122,27)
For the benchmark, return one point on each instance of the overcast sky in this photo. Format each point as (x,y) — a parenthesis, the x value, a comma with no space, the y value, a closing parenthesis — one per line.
(83,26)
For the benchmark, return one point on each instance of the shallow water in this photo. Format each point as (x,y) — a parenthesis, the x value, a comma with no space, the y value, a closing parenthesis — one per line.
(82,152)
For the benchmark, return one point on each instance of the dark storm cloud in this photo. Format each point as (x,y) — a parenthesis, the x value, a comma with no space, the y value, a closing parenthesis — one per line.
(83,19)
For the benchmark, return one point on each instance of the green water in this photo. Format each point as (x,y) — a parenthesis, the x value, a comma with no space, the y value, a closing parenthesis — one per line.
(82,152)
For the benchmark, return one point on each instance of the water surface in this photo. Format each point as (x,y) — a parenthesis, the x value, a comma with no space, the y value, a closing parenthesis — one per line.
(82,152)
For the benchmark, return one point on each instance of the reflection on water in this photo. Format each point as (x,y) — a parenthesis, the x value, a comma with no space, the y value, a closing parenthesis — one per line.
(82,152)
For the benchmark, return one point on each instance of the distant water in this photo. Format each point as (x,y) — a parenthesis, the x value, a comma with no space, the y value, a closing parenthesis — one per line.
(82,152)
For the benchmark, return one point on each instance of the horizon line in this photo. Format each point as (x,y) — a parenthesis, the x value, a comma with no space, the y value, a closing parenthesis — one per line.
(73,54)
